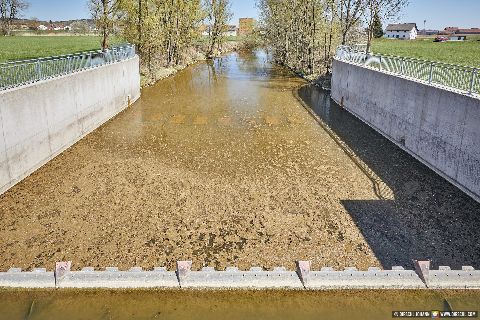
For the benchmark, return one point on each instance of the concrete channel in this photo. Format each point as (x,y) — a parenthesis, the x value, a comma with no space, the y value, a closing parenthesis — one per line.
(223,164)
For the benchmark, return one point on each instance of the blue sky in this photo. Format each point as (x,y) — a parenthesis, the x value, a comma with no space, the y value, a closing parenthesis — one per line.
(438,13)
(443,13)
(75,9)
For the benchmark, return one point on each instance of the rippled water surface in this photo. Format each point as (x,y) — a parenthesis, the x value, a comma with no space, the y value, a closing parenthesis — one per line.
(222,164)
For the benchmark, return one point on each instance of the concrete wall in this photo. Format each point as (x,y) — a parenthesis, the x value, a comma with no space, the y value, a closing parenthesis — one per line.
(439,127)
(40,120)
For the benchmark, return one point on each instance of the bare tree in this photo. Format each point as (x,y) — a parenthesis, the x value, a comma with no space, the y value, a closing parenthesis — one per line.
(384,10)
(105,13)
(10,10)
(80,27)
(302,34)
(219,13)
(351,13)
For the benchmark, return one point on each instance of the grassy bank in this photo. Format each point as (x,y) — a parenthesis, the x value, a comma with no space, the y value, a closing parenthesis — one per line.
(19,48)
(466,53)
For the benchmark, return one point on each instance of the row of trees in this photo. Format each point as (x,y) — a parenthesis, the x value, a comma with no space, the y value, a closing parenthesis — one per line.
(303,34)
(163,30)
(9,11)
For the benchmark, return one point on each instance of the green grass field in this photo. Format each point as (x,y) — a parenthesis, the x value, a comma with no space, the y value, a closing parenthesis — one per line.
(465,53)
(28,47)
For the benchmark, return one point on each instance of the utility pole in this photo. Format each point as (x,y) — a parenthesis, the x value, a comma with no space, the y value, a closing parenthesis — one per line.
(424,27)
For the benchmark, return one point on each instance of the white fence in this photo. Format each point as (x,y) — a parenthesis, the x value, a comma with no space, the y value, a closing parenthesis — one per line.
(17,73)
(464,79)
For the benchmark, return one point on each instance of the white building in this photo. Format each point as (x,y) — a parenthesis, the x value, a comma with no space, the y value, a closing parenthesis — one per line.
(458,38)
(403,31)
(230,32)
(42,27)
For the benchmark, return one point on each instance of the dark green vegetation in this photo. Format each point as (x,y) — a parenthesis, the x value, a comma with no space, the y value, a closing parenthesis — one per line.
(19,48)
(465,53)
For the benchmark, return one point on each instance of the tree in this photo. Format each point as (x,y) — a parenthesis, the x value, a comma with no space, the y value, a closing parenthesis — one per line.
(219,13)
(164,31)
(302,34)
(10,10)
(351,13)
(80,27)
(377,27)
(105,13)
(385,10)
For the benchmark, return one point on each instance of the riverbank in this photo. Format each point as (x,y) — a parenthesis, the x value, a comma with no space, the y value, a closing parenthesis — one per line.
(194,55)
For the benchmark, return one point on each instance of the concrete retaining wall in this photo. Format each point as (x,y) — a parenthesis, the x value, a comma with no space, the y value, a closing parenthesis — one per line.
(40,120)
(439,127)
(255,278)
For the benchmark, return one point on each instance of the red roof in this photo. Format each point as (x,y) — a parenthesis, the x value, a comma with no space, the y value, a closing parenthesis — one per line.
(468,31)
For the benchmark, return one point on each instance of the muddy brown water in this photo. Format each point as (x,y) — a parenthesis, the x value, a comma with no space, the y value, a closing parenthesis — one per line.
(222,164)
(124,304)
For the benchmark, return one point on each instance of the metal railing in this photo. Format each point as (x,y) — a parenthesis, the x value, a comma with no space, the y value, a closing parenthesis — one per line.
(17,73)
(461,78)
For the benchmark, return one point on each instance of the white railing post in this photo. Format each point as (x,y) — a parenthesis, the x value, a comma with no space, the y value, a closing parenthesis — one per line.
(380,64)
(431,73)
(38,69)
(472,81)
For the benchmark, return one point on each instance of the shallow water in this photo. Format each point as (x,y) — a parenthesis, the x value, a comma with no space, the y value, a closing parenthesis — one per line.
(221,164)
(124,304)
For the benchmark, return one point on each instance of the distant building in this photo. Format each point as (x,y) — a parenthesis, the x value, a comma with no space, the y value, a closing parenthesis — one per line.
(203,29)
(403,31)
(42,27)
(449,30)
(245,26)
(231,31)
(468,31)
(458,38)
(456,30)
(431,32)
(67,28)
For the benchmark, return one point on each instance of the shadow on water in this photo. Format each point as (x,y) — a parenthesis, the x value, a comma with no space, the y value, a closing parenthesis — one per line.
(426,217)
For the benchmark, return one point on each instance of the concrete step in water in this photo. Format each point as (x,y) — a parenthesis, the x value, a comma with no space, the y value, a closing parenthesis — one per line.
(351,278)
(255,278)
(467,278)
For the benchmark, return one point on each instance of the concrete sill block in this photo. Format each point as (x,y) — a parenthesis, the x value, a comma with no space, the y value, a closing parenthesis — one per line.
(37,278)
(304,277)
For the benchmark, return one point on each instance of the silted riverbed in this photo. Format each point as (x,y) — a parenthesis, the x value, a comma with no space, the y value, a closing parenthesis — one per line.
(221,164)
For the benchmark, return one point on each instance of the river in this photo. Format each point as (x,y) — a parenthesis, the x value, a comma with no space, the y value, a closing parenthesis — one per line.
(223,164)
